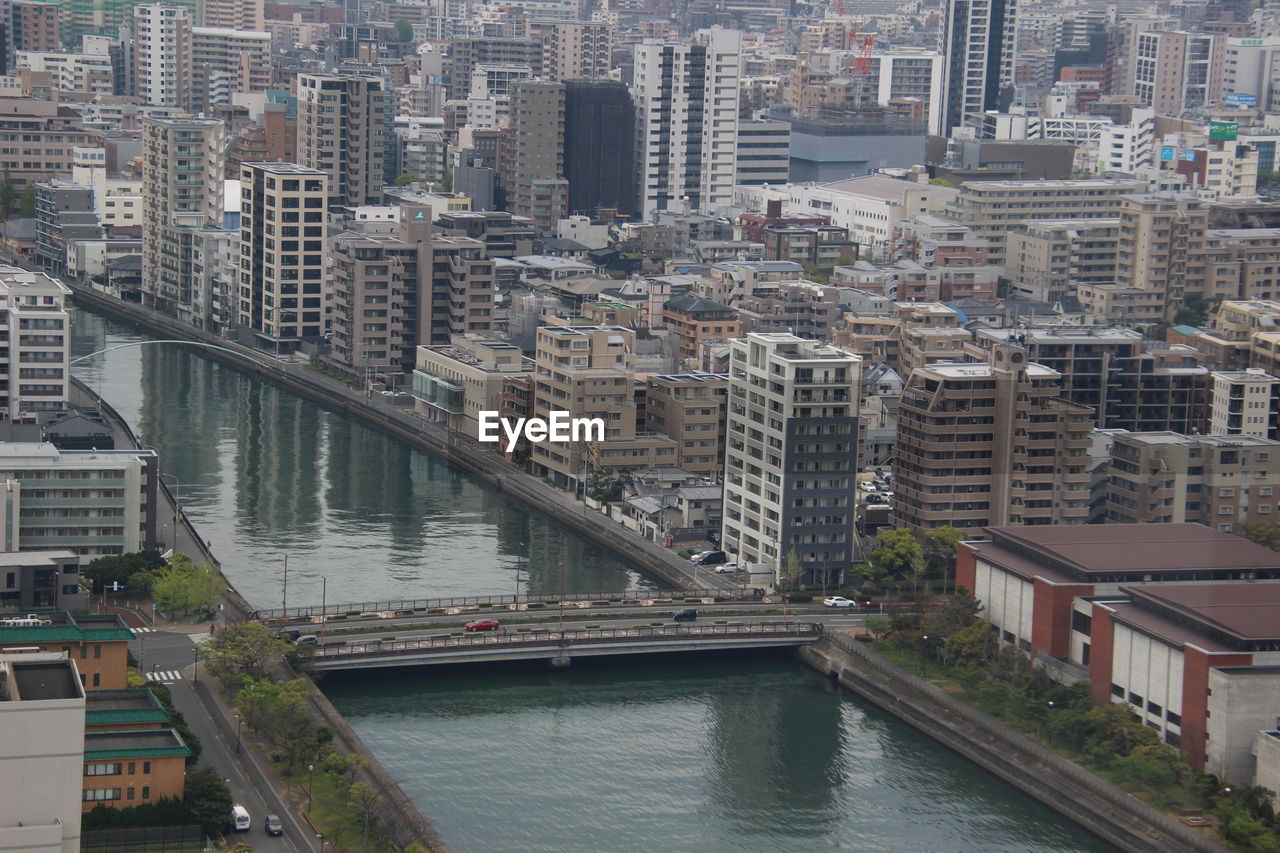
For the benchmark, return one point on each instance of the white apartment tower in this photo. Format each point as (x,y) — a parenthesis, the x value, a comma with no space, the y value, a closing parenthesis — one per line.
(791,455)
(1243,402)
(686,98)
(34,320)
(342,122)
(978,50)
(162,55)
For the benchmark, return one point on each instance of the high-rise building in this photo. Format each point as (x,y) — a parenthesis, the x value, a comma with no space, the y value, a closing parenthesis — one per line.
(246,15)
(764,153)
(283,295)
(536,186)
(599,146)
(462,291)
(1244,403)
(162,55)
(227,61)
(1161,248)
(64,212)
(1047,258)
(1176,71)
(690,408)
(978,38)
(990,444)
(35,25)
(37,327)
(342,127)
(791,457)
(574,50)
(686,98)
(182,191)
(467,53)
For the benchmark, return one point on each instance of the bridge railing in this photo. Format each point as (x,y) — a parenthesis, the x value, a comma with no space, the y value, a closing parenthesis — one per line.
(555,638)
(408,605)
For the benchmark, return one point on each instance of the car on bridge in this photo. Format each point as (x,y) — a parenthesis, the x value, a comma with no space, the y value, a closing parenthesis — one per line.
(483,625)
(839,601)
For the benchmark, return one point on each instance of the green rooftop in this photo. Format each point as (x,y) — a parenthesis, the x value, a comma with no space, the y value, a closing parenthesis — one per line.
(67,627)
(139,743)
(118,707)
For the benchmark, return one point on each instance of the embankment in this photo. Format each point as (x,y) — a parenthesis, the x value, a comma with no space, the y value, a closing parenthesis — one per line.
(1078,795)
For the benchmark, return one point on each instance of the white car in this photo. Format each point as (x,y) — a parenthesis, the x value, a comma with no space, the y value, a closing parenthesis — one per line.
(839,601)
(728,569)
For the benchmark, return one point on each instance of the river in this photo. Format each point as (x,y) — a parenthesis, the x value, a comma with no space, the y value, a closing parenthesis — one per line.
(732,752)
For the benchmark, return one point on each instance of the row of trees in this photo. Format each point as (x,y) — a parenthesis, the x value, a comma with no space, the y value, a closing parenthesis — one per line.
(179,587)
(901,559)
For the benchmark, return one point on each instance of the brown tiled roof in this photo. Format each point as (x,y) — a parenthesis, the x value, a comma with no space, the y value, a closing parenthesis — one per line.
(1245,611)
(1110,548)
(1154,625)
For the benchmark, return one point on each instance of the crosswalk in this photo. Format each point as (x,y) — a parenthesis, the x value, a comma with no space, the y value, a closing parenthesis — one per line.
(164,676)
(143,630)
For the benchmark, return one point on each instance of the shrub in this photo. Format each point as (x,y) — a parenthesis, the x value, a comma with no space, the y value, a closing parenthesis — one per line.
(799,599)
(388,639)
(353,612)
(485,604)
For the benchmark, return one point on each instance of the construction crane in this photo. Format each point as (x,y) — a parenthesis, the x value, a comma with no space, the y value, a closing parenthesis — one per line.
(862,62)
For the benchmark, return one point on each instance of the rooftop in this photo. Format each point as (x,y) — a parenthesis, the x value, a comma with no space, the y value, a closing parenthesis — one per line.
(136,743)
(68,627)
(120,707)
(39,681)
(1241,611)
(1065,334)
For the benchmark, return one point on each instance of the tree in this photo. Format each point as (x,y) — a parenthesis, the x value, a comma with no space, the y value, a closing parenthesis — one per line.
(404,180)
(208,799)
(404,30)
(122,568)
(8,194)
(1265,533)
(182,586)
(897,557)
(247,647)
(877,626)
(366,800)
(27,204)
(940,551)
(792,568)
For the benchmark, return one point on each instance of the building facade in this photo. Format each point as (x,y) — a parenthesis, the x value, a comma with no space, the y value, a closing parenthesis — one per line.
(342,127)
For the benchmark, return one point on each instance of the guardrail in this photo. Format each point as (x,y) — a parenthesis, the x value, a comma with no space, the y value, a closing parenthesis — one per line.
(410,605)
(535,638)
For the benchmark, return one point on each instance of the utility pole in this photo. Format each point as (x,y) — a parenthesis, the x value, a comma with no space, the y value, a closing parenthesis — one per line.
(284,599)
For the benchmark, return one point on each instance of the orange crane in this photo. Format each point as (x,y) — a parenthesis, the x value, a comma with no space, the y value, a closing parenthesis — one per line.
(868,43)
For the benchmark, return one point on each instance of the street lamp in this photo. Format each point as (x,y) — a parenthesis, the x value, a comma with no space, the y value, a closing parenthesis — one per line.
(239,728)
(311,774)
(924,664)
(195,675)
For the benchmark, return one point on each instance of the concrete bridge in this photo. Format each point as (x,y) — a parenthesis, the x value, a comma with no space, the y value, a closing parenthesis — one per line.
(559,646)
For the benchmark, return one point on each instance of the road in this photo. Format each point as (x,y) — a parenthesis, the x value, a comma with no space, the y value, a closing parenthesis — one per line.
(168,657)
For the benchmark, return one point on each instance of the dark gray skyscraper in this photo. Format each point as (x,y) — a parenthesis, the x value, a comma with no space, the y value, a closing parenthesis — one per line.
(977,49)
(599,146)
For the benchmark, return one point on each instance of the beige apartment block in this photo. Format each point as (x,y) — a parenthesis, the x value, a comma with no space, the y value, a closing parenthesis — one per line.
(340,127)
(1242,263)
(689,408)
(1244,402)
(227,61)
(1161,245)
(990,444)
(1217,480)
(574,50)
(453,384)
(1121,305)
(462,290)
(246,15)
(587,372)
(1046,258)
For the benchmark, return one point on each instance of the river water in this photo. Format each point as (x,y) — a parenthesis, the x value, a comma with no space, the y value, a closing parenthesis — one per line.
(699,753)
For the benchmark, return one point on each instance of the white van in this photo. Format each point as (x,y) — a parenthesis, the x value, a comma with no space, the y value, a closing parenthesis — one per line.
(31,620)
(240,818)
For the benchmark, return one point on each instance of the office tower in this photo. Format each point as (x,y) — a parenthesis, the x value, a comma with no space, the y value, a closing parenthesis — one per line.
(342,132)
(978,50)
(246,15)
(599,146)
(37,327)
(227,61)
(162,55)
(535,182)
(1177,71)
(686,98)
(284,298)
(990,444)
(1244,403)
(182,191)
(791,458)
(380,284)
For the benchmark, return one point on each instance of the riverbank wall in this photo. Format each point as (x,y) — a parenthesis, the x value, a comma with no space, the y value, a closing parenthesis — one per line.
(655,561)
(1080,796)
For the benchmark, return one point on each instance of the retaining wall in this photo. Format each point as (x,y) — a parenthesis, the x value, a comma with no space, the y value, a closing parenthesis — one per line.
(1080,796)
(654,560)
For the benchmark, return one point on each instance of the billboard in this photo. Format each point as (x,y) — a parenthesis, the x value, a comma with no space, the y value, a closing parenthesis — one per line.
(1223,131)
(1188,154)
(1241,99)
(1166,152)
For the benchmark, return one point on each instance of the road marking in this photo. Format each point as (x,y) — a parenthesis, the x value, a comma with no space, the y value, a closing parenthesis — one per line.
(142,630)
(200,638)
(164,676)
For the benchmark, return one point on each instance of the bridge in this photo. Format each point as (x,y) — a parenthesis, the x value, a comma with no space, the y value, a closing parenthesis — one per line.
(559,646)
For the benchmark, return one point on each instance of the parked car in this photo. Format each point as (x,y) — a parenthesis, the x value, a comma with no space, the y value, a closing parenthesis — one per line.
(483,625)
(273,825)
(689,614)
(711,558)
(290,634)
(698,555)
(728,569)
(839,601)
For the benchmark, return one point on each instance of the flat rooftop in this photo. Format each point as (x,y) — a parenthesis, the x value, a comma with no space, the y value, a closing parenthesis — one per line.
(44,680)
(137,743)
(1065,334)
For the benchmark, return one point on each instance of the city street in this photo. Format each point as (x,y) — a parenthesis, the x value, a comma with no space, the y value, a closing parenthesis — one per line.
(168,657)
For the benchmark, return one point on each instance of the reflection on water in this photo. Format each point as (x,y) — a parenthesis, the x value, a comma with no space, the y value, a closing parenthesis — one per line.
(718,752)
(264,473)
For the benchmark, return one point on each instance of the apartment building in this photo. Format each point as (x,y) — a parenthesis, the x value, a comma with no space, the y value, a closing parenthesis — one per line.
(1220,481)
(1161,245)
(34,25)
(764,153)
(599,146)
(182,191)
(342,132)
(98,643)
(936,242)
(453,384)
(799,307)
(283,295)
(1242,263)
(1244,402)
(977,39)
(64,213)
(791,457)
(574,50)
(690,409)
(42,711)
(243,15)
(692,319)
(920,345)
(37,139)
(1046,258)
(686,98)
(994,208)
(162,60)
(133,767)
(990,444)
(1116,373)
(35,326)
(467,53)
(535,165)
(225,62)
(463,286)
(588,372)
(1176,71)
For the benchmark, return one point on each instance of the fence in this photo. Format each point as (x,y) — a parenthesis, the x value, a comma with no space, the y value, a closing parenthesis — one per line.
(415,606)
(143,839)
(1044,774)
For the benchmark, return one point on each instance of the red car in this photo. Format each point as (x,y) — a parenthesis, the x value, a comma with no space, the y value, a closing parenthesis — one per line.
(483,625)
